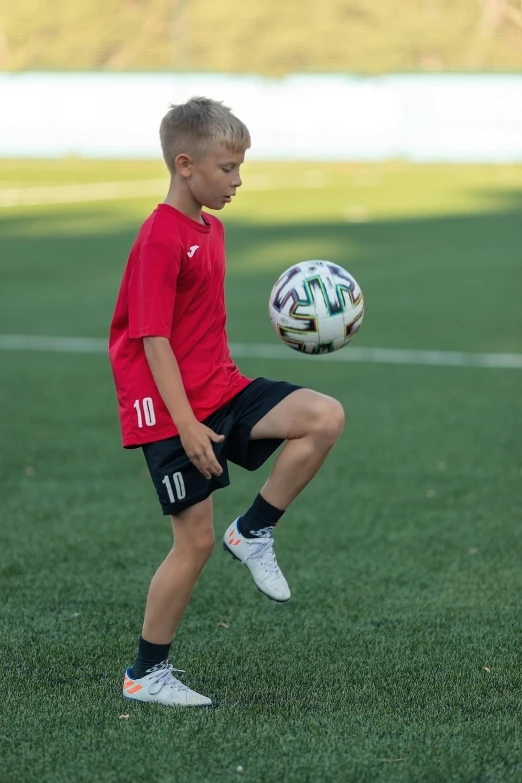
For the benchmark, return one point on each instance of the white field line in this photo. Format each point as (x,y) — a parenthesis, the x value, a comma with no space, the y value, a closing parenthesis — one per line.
(90,191)
(139,188)
(268,351)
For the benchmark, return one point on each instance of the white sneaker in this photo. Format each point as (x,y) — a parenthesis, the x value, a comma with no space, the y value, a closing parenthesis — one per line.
(159,685)
(259,557)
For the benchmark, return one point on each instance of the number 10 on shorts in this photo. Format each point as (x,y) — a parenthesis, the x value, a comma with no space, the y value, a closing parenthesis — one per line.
(175,489)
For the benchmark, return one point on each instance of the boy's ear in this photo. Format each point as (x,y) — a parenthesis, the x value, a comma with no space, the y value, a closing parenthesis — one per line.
(183,165)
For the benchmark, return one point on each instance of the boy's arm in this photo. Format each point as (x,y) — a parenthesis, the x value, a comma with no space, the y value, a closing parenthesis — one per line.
(196,438)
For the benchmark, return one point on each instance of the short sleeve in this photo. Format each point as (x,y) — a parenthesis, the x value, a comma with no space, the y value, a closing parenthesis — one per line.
(152,290)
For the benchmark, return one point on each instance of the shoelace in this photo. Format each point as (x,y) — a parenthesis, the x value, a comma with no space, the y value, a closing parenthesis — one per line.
(165,678)
(262,549)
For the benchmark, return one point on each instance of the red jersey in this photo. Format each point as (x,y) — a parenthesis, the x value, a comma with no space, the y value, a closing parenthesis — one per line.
(173,286)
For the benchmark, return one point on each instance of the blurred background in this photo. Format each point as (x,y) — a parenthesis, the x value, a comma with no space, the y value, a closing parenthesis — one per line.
(269,38)
(428,80)
(387,137)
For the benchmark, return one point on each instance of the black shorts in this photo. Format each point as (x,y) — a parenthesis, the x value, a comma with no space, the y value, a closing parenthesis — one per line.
(179,483)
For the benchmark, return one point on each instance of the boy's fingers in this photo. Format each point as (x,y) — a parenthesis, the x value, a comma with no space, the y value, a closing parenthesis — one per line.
(208,465)
(215,467)
(202,469)
(212,462)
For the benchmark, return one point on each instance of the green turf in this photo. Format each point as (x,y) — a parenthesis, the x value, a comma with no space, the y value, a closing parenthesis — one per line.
(403,555)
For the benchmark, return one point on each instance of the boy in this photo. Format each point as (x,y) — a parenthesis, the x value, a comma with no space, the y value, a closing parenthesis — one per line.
(183,400)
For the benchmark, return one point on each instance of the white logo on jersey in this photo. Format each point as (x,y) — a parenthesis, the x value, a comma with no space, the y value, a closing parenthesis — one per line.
(192,250)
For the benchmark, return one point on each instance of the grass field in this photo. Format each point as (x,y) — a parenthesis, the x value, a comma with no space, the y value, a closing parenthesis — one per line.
(398,658)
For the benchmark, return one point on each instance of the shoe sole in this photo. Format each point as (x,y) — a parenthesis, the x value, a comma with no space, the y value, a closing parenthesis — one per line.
(270,598)
(179,706)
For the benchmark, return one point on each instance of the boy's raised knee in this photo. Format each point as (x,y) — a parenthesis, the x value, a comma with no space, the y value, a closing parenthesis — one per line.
(329,421)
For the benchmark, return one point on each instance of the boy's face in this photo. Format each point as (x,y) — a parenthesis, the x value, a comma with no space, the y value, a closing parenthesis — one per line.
(213,178)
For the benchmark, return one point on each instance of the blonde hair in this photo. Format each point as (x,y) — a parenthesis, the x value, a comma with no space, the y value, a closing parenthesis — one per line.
(192,127)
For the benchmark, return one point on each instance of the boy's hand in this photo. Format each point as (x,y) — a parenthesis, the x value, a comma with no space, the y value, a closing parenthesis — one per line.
(197,441)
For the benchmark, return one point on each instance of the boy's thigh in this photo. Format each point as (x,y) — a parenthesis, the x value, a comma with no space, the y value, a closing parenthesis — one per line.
(250,407)
(293,416)
(179,484)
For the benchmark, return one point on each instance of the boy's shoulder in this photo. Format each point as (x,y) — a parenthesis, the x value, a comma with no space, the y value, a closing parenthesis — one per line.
(166,224)
(160,226)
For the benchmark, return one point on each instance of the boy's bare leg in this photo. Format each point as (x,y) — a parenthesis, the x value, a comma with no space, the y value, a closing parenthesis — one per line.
(174,581)
(151,678)
(311,423)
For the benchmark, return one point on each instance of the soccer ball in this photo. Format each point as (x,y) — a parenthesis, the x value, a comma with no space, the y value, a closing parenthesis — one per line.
(316,307)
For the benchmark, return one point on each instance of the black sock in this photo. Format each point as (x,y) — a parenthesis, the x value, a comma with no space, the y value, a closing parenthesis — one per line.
(259,516)
(149,655)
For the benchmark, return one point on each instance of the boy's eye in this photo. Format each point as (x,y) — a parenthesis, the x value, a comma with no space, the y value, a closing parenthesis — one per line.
(226,169)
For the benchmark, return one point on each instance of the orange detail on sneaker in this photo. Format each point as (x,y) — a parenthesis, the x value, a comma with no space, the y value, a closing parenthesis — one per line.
(232,541)
(257,554)
(135,689)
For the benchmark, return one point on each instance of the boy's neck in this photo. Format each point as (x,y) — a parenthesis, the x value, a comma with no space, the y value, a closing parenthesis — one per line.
(182,201)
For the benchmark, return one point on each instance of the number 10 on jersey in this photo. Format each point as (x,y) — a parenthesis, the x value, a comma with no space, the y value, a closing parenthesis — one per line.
(148,412)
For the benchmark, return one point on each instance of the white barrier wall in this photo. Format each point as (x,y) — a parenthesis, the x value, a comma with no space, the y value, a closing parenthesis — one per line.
(419,118)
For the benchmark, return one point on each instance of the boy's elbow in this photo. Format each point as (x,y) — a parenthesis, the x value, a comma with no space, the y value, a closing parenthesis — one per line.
(151,344)
(154,340)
